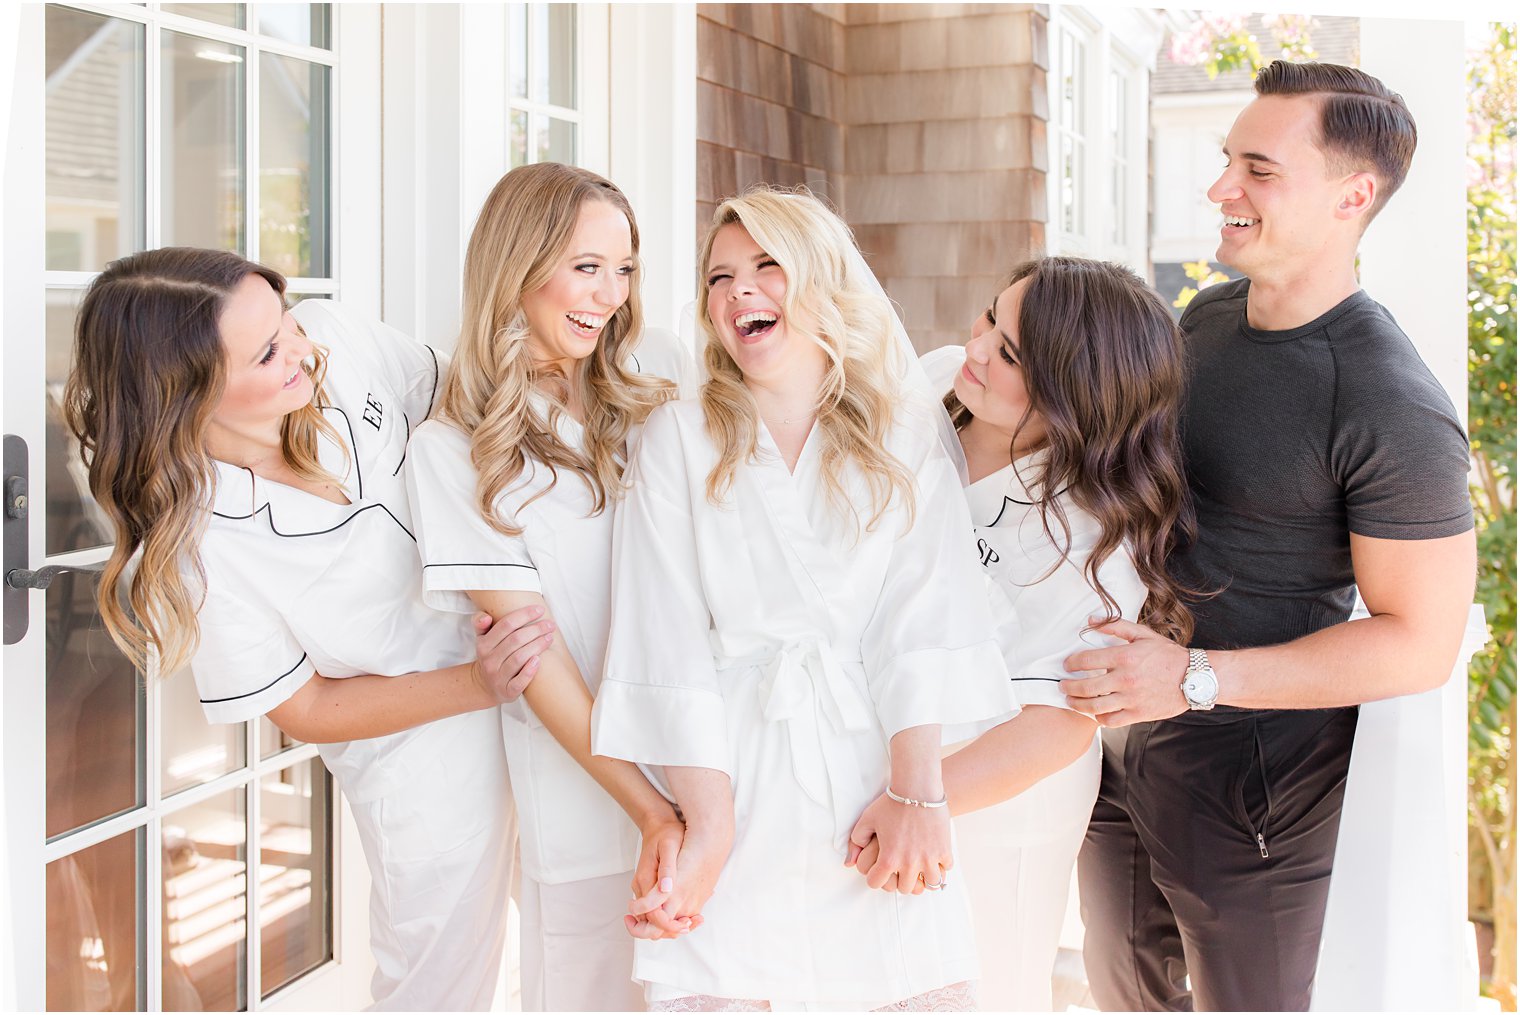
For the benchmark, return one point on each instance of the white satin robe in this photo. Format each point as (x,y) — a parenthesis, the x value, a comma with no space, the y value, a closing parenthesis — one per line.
(760,638)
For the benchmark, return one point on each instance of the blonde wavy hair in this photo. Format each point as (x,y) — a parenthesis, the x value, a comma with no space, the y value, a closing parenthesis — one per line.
(149,371)
(523,231)
(830,301)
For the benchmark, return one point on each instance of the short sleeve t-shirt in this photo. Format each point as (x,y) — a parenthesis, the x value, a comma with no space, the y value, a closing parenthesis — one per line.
(1294,440)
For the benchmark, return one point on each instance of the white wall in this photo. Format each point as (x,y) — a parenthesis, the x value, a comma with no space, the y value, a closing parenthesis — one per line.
(1187,134)
(653,141)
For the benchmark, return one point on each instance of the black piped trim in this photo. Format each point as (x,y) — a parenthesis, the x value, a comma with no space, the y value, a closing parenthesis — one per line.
(319,532)
(408,443)
(432,398)
(353,447)
(477,563)
(636,365)
(276,680)
(1048,680)
(1006,501)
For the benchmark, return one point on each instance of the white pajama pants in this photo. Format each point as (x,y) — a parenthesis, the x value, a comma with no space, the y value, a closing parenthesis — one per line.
(576,953)
(439,840)
(1017,859)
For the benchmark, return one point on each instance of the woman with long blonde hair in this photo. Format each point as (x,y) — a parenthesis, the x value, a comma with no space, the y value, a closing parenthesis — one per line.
(248,456)
(514,483)
(796,627)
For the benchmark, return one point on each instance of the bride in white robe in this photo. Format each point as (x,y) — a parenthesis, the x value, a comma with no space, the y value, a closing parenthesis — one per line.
(797,625)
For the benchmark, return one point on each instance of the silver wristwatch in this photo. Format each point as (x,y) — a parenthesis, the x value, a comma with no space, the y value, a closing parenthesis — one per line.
(1200,685)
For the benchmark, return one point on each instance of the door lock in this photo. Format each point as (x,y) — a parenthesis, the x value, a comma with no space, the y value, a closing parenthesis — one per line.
(15,497)
(17,605)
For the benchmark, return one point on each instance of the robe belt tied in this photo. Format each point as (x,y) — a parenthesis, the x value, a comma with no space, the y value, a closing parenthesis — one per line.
(805,686)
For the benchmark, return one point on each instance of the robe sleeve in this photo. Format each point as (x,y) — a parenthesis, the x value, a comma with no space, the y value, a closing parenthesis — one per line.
(930,650)
(660,702)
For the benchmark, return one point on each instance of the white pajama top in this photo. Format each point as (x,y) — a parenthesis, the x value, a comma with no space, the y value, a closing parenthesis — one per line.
(296,585)
(1041,603)
(571,829)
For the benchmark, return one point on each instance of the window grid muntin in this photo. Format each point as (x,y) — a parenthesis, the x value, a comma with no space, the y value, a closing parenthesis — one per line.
(1108,50)
(524,104)
(1118,105)
(1072,130)
(148,818)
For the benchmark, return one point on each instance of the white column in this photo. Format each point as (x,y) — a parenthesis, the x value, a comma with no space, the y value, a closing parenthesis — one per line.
(431,134)
(1414,255)
(1396,933)
(653,145)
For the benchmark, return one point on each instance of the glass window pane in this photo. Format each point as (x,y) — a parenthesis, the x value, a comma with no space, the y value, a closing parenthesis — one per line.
(230,15)
(194,751)
(554,54)
(205,893)
(295,873)
(1116,201)
(1120,114)
(293,166)
(202,155)
(1070,173)
(517,49)
(95,941)
(94,147)
(273,740)
(74,521)
(555,139)
(519,138)
(95,713)
(302,24)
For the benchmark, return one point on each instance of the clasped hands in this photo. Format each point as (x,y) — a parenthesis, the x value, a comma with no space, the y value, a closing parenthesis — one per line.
(678,868)
(901,847)
(897,847)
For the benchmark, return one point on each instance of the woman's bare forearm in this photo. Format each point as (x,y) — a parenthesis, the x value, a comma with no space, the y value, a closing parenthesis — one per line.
(1010,758)
(559,697)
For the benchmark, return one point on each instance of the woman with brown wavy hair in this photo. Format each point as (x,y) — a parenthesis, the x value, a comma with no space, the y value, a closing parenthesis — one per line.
(1066,403)
(249,458)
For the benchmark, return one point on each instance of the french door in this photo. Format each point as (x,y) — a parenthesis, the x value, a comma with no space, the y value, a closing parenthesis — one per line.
(156,861)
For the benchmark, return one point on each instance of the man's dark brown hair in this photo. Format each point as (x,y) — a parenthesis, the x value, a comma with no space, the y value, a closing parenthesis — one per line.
(1364,126)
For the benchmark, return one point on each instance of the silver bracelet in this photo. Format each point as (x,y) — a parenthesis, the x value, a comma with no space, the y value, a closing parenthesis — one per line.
(909,801)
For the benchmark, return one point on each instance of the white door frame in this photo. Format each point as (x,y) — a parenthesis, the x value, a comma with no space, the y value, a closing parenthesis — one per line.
(342,984)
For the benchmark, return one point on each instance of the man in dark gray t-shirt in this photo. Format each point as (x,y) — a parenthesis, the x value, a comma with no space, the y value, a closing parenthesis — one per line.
(1323,458)
(1296,439)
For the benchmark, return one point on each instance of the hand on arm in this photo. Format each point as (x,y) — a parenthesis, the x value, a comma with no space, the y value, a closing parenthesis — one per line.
(333,710)
(914,841)
(1418,592)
